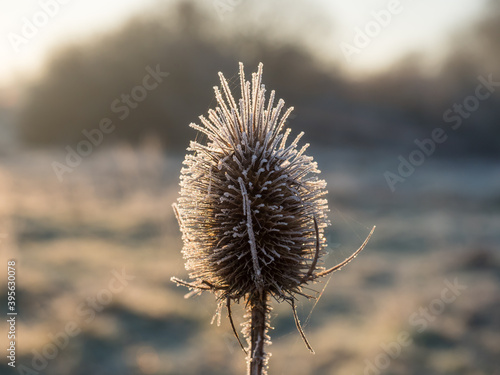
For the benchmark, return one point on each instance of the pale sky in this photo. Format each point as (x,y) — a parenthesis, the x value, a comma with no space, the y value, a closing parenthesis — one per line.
(418,24)
(424,25)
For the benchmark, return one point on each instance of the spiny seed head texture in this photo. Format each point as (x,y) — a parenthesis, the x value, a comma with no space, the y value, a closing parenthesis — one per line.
(249,199)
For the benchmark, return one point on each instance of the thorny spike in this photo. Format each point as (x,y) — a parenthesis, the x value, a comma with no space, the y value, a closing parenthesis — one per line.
(316,254)
(348,260)
(230,315)
(299,327)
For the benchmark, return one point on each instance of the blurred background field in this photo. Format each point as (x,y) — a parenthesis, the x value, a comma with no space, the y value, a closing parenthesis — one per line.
(112,212)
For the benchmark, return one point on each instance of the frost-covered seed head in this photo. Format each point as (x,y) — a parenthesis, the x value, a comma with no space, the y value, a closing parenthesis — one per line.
(249,199)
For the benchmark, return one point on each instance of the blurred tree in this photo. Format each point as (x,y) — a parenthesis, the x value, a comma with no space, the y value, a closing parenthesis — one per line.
(189,41)
(83,81)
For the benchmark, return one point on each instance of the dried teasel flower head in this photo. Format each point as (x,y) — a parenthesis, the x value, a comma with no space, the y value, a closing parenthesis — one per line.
(251,210)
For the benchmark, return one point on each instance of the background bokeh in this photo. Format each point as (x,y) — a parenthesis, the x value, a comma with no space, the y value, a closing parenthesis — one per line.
(74,217)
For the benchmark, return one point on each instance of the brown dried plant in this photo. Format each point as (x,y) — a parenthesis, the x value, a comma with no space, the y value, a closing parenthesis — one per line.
(252,212)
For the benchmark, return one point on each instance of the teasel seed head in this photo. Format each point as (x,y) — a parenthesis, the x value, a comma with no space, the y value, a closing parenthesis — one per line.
(248,198)
(252,209)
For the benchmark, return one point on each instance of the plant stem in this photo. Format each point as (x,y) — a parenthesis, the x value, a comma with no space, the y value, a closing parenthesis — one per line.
(257,358)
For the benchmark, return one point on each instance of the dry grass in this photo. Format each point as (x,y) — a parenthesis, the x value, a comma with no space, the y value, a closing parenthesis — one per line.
(68,238)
